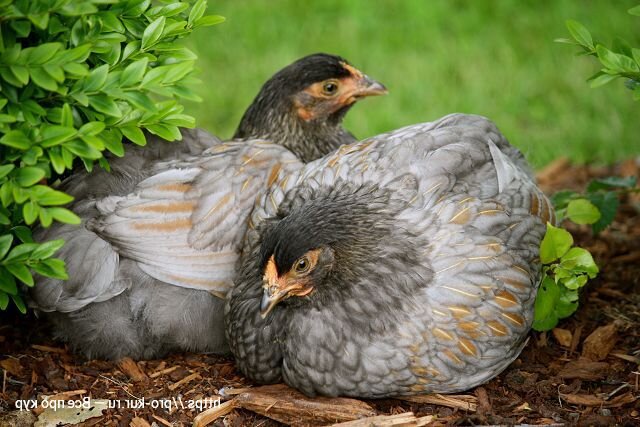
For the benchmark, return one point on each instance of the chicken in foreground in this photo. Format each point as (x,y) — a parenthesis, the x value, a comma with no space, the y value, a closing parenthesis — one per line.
(403,264)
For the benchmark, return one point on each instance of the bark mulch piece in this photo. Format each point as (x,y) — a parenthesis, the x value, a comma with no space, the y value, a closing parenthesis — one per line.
(585,372)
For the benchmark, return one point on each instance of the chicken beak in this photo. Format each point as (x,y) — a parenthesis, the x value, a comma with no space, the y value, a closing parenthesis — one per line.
(369,87)
(270,299)
(364,85)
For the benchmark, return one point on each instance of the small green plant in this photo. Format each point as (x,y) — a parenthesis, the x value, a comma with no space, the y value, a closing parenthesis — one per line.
(566,269)
(620,60)
(76,78)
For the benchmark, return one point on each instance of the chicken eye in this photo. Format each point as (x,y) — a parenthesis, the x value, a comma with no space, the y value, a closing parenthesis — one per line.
(302,265)
(330,87)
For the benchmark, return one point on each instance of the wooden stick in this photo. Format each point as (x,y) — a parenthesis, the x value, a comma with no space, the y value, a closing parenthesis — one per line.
(398,420)
(208,416)
(461,401)
(185,380)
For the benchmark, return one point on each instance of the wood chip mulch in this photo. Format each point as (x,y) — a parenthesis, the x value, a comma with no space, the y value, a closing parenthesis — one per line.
(584,372)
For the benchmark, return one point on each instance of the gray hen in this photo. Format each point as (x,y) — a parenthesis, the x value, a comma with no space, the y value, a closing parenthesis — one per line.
(403,264)
(160,236)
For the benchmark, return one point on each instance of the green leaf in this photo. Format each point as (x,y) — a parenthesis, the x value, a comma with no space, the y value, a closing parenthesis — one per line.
(134,134)
(611,182)
(23,233)
(130,49)
(32,155)
(168,10)
(181,120)
(67,157)
(16,139)
(111,22)
(556,243)
(82,149)
(77,70)
(82,98)
(47,196)
(47,249)
(7,282)
(600,79)
(8,76)
(615,61)
(30,212)
(91,128)
(635,11)
(52,267)
(580,259)
(6,193)
(5,244)
(140,100)
(134,73)
(5,118)
(5,169)
(4,299)
(607,203)
(104,104)
(209,20)
(40,20)
(21,73)
(55,71)
(582,211)
(20,195)
(21,272)
(93,141)
(566,304)
(21,252)
(45,217)
(544,315)
(77,54)
(54,135)
(136,8)
(153,32)
(42,53)
(17,300)
(65,216)
(56,161)
(66,117)
(27,176)
(197,11)
(169,133)
(580,33)
(43,79)
(175,72)
(575,282)
(96,79)
(115,146)
(22,28)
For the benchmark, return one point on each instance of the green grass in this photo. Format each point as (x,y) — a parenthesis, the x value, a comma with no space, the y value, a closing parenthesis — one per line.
(495,58)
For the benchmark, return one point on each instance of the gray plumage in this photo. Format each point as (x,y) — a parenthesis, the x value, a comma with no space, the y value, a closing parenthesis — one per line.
(428,239)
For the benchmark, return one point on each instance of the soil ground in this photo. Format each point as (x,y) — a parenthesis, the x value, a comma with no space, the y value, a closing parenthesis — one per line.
(586,372)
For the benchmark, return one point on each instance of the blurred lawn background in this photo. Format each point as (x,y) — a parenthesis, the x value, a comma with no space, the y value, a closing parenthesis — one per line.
(494,58)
